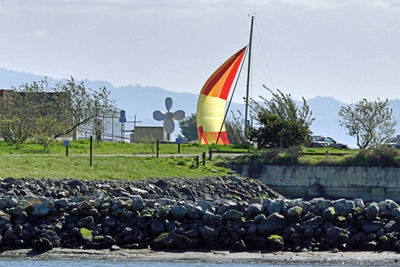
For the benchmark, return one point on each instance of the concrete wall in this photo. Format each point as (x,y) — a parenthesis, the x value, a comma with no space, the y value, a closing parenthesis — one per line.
(370,184)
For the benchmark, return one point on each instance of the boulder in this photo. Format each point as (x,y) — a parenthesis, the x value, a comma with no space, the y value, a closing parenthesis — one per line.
(343,207)
(372,211)
(253,210)
(137,203)
(370,226)
(274,222)
(211,219)
(43,208)
(232,215)
(275,242)
(329,214)
(42,245)
(178,212)
(294,213)
(275,206)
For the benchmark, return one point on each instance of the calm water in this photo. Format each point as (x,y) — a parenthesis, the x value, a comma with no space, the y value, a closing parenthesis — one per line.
(88,263)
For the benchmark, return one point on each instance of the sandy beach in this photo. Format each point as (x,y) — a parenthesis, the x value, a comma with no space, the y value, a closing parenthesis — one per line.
(285,258)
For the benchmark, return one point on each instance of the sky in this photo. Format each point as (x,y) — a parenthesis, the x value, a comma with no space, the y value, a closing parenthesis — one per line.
(348,50)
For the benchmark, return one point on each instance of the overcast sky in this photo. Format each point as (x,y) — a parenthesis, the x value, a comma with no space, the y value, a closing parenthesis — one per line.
(344,49)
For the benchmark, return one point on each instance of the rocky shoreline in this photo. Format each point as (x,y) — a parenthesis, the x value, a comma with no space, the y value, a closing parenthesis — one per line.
(216,213)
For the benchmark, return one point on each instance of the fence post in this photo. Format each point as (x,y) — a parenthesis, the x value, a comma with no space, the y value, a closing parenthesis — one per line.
(210,154)
(204,158)
(66,151)
(91,150)
(158,147)
(179,147)
(197,158)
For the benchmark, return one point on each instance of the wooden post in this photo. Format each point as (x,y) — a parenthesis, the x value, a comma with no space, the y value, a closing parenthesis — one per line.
(203,156)
(210,154)
(91,150)
(158,147)
(66,151)
(197,159)
(179,148)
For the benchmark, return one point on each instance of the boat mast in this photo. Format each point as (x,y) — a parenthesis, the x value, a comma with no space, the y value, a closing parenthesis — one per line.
(246,123)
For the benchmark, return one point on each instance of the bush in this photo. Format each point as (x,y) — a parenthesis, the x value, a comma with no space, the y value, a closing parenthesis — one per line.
(378,157)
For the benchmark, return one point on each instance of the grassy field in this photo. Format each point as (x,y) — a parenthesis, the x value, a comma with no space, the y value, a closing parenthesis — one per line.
(53,166)
(82,147)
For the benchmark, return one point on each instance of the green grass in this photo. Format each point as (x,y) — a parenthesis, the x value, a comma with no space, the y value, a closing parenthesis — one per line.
(115,167)
(82,147)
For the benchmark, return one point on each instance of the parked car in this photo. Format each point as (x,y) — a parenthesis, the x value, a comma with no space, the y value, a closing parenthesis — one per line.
(392,142)
(322,141)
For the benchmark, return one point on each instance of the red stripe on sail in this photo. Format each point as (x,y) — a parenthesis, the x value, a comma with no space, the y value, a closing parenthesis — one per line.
(216,76)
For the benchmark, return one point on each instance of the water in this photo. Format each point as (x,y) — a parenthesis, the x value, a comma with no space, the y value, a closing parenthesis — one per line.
(97,263)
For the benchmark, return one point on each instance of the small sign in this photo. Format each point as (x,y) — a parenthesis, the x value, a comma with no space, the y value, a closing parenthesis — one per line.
(122,117)
(66,143)
(178,140)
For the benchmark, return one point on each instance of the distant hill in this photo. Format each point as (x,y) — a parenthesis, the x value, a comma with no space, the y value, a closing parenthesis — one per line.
(143,100)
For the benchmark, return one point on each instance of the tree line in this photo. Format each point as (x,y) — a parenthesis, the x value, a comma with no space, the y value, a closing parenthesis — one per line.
(281,123)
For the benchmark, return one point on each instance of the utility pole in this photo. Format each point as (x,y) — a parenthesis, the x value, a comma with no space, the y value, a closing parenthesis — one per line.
(246,124)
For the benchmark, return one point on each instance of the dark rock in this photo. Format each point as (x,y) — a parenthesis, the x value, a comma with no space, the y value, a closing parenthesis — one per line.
(275,242)
(372,211)
(253,210)
(42,245)
(211,219)
(157,227)
(137,203)
(274,222)
(238,246)
(179,212)
(181,242)
(370,226)
(343,207)
(232,215)
(207,233)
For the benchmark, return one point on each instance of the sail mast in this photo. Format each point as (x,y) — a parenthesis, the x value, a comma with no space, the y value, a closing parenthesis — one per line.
(246,123)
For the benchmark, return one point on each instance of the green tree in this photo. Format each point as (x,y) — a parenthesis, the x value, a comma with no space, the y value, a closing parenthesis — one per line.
(53,111)
(16,118)
(189,127)
(281,123)
(235,129)
(370,122)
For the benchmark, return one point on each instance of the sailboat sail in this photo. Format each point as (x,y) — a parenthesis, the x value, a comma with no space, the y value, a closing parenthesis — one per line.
(212,101)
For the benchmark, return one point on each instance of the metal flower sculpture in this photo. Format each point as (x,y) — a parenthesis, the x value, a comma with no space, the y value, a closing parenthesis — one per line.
(168,117)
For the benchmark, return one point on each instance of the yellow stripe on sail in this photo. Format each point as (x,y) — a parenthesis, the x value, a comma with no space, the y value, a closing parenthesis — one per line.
(212,110)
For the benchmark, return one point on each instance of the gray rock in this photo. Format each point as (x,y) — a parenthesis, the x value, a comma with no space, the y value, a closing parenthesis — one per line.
(195,213)
(62,202)
(396,213)
(370,226)
(166,201)
(274,222)
(329,213)
(212,219)
(137,203)
(320,204)
(181,242)
(43,208)
(157,227)
(162,212)
(227,206)
(294,213)
(207,233)
(313,222)
(253,210)
(391,204)
(275,242)
(204,204)
(275,206)
(343,207)
(372,211)
(358,202)
(179,212)
(260,218)
(232,215)
(337,233)
(390,226)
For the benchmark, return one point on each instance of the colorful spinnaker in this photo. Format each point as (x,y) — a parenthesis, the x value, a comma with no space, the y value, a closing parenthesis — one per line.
(212,101)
